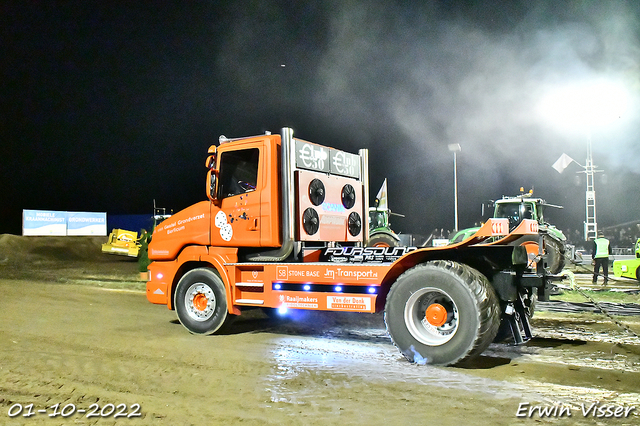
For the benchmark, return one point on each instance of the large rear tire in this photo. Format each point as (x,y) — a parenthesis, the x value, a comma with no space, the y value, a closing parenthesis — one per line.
(201,302)
(555,251)
(442,313)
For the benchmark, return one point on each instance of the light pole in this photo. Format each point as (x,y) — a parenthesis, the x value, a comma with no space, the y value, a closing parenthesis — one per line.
(590,224)
(455,147)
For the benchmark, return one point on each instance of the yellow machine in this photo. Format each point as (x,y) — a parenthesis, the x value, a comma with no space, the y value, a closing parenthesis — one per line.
(123,243)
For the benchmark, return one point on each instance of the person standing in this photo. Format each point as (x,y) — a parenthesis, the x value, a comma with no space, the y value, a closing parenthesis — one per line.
(600,257)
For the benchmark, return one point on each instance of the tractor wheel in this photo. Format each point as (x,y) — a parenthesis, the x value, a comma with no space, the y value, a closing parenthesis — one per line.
(638,274)
(442,313)
(201,302)
(382,240)
(555,251)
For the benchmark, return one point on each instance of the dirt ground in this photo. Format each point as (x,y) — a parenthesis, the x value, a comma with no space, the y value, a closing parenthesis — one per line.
(76,330)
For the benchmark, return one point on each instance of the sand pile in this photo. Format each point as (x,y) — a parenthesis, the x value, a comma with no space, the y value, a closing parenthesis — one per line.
(17,249)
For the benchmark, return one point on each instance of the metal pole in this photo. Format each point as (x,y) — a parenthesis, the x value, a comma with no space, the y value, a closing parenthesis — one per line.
(590,225)
(455,190)
(455,147)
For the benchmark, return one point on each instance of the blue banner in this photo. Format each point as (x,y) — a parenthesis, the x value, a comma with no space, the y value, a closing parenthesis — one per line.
(42,222)
(56,223)
(85,223)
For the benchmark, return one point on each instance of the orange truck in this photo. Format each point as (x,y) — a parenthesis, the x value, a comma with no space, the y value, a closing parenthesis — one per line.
(285,227)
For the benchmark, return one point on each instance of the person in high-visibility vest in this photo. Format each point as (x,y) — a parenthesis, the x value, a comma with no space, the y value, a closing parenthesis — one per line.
(600,257)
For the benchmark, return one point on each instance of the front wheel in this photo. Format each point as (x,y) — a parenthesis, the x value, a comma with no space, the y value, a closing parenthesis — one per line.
(442,313)
(201,301)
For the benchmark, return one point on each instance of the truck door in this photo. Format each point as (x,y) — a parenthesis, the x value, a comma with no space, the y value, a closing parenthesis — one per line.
(236,217)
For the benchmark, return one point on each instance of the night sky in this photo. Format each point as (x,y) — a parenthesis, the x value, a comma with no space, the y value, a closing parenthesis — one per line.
(106,107)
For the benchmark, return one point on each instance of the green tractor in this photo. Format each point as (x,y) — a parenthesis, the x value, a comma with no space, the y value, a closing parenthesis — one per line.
(159,214)
(524,206)
(380,233)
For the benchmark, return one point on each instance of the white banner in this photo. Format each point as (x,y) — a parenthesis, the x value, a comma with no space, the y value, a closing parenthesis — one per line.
(41,222)
(86,223)
(56,223)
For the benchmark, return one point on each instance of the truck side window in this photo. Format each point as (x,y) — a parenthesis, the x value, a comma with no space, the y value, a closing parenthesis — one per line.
(238,172)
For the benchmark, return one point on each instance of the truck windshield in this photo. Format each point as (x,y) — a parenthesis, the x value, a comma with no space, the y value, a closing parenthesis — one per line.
(238,172)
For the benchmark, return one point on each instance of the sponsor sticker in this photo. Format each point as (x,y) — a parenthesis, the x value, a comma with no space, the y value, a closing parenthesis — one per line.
(349,303)
(364,254)
(300,302)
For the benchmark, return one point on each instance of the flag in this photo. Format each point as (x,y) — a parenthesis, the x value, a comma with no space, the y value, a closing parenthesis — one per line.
(562,163)
(381,198)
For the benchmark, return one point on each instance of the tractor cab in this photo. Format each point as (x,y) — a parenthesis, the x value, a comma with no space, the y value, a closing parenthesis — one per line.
(515,211)
(378,219)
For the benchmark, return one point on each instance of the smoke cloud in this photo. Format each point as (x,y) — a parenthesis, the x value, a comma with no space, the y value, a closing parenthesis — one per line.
(433,77)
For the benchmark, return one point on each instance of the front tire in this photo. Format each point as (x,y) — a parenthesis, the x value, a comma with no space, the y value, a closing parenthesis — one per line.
(201,301)
(442,313)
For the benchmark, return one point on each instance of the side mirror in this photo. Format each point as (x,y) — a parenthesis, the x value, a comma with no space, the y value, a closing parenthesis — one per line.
(211,184)
(210,164)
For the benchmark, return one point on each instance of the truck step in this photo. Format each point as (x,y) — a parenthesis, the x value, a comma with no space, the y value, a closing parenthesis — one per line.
(249,302)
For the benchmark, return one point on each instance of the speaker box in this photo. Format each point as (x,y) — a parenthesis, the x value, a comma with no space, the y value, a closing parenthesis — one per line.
(329,207)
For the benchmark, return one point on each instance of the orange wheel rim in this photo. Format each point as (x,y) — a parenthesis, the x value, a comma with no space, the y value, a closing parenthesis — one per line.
(200,302)
(436,315)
